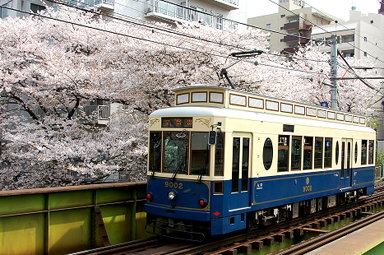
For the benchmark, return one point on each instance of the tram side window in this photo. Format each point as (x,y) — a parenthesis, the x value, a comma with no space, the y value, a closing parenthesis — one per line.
(328,153)
(245,165)
(219,155)
(267,153)
(155,151)
(371,151)
(308,148)
(364,152)
(283,153)
(176,148)
(318,152)
(296,153)
(235,164)
(337,153)
(200,154)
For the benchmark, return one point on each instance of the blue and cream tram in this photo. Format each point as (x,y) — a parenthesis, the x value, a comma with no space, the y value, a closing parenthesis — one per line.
(223,160)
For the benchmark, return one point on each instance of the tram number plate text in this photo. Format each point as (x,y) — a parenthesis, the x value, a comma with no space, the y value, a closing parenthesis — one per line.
(174,185)
(307,188)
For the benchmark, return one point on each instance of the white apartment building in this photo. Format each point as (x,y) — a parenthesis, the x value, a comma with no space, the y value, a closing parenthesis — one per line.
(361,37)
(215,13)
(293,19)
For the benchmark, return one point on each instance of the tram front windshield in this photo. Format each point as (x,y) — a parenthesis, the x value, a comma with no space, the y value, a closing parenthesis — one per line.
(179,152)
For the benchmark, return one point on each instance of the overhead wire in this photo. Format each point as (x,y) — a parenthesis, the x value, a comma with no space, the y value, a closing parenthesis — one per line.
(354,46)
(357,76)
(350,68)
(150,41)
(221,44)
(146,25)
(142,23)
(376,58)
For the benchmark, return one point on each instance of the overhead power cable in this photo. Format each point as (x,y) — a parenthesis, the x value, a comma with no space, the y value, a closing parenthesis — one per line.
(326,31)
(238,22)
(357,76)
(148,26)
(354,46)
(142,23)
(148,40)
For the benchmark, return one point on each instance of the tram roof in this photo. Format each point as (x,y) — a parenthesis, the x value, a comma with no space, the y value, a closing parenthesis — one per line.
(259,116)
(202,95)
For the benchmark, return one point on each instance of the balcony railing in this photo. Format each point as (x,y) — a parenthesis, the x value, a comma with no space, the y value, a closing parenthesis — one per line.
(291,38)
(291,25)
(106,4)
(226,4)
(173,12)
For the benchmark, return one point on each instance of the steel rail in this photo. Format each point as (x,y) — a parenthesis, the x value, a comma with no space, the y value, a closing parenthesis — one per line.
(331,236)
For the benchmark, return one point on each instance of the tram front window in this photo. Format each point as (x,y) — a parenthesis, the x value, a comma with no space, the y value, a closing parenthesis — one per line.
(155,151)
(200,154)
(176,147)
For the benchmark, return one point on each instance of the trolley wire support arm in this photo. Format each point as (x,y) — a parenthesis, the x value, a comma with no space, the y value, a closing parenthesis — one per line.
(240,55)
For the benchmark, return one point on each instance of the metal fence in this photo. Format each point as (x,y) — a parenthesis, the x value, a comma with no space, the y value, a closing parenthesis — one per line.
(64,220)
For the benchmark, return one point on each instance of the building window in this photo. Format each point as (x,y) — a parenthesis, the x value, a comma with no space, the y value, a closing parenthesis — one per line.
(36,8)
(365,54)
(281,28)
(349,54)
(365,39)
(348,38)
(268,26)
(282,16)
(371,21)
(282,40)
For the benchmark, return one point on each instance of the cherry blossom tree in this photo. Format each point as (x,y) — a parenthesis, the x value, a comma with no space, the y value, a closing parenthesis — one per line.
(53,64)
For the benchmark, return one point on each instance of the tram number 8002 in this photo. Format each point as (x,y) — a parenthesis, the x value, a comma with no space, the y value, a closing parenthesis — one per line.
(174,185)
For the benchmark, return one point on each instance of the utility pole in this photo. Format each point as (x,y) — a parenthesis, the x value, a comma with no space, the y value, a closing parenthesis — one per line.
(333,73)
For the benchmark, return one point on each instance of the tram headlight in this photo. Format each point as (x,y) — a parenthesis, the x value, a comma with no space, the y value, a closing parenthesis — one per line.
(172,195)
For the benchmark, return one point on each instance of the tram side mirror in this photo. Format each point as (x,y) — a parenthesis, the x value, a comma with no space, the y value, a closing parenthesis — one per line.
(212,137)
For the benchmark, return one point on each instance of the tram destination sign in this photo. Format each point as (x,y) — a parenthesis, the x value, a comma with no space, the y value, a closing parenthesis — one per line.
(176,122)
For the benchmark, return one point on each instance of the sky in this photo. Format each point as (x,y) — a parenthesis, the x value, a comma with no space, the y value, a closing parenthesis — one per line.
(337,8)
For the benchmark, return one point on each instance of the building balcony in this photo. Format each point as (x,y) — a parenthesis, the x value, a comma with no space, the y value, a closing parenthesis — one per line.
(289,50)
(291,38)
(304,41)
(291,25)
(226,4)
(105,4)
(160,10)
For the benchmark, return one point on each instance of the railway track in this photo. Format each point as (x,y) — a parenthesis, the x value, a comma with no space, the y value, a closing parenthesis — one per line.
(256,239)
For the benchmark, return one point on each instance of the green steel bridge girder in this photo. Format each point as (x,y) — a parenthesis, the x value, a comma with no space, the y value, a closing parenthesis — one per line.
(63,220)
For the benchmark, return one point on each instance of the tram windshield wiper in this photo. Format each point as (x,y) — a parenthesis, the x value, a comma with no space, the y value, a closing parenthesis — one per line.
(174,174)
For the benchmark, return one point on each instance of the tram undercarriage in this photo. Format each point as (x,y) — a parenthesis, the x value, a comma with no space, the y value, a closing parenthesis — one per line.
(272,216)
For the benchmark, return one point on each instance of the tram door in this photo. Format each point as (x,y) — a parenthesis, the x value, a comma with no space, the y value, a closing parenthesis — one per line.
(346,165)
(241,169)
